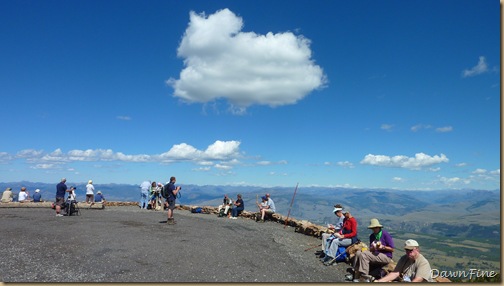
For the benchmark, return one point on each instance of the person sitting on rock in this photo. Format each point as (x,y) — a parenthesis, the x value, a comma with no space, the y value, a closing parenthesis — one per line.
(99,198)
(226,204)
(23,196)
(37,197)
(7,196)
(345,237)
(239,206)
(411,267)
(379,253)
(332,228)
(268,209)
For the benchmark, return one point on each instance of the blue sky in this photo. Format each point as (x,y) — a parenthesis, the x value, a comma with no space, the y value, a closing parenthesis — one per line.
(367,94)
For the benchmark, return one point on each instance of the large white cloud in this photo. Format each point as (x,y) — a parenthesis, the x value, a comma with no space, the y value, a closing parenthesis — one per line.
(222,62)
(420,160)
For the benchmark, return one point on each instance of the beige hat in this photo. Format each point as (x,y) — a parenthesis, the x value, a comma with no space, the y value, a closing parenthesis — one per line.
(410,244)
(374,223)
(90,182)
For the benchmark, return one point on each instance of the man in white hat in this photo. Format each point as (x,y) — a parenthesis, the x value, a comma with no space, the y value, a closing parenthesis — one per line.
(332,228)
(37,197)
(89,192)
(412,267)
(381,247)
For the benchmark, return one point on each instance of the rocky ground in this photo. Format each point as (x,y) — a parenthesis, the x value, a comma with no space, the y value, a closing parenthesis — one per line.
(127,244)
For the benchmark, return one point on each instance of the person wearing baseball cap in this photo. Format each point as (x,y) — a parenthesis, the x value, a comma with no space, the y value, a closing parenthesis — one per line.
(411,267)
(345,237)
(332,228)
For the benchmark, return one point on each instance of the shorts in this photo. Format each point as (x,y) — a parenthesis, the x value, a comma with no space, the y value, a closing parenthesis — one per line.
(60,201)
(171,204)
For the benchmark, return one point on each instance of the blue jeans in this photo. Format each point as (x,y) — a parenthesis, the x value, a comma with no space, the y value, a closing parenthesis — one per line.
(144,199)
(236,211)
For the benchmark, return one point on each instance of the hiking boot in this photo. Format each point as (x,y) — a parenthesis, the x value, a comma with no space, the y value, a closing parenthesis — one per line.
(349,277)
(329,262)
(322,255)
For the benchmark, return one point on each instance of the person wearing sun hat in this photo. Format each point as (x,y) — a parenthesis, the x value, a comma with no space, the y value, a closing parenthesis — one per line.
(37,197)
(332,228)
(379,253)
(411,267)
(89,192)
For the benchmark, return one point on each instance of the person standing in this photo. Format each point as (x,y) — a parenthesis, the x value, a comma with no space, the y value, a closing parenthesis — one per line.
(144,194)
(411,267)
(89,192)
(61,189)
(171,196)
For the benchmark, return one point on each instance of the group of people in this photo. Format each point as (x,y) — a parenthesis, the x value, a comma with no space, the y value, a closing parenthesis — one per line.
(62,190)
(236,207)
(152,195)
(411,267)
(23,196)
(266,207)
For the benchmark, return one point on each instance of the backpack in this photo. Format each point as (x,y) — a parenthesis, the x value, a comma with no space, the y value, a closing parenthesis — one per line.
(164,191)
(196,210)
(341,254)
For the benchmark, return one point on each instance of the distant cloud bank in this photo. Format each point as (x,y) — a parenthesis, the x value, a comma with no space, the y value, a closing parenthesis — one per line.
(245,68)
(415,163)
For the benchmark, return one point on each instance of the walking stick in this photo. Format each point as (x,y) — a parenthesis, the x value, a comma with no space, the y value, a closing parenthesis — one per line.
(313,247)
(288,214)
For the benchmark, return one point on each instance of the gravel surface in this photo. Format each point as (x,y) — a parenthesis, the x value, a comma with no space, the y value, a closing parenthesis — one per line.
(127,244)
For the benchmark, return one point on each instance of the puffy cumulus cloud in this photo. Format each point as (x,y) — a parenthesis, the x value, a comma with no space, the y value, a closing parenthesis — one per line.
(245,68)
(480,68)
(415,163)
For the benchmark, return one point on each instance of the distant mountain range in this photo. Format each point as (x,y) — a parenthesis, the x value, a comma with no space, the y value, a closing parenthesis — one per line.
(316,203)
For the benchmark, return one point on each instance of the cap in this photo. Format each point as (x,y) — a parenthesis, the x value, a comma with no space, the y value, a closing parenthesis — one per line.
(90,182)
(337,209)
(37,190)
(410,244)
(264,198)
(99,192)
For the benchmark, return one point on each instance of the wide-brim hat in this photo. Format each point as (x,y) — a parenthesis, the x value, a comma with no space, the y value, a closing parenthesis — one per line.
(90,182)
(37,190)
(374,223)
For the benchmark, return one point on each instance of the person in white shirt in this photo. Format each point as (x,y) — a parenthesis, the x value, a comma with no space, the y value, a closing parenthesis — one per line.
(23,195)
(90,192)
